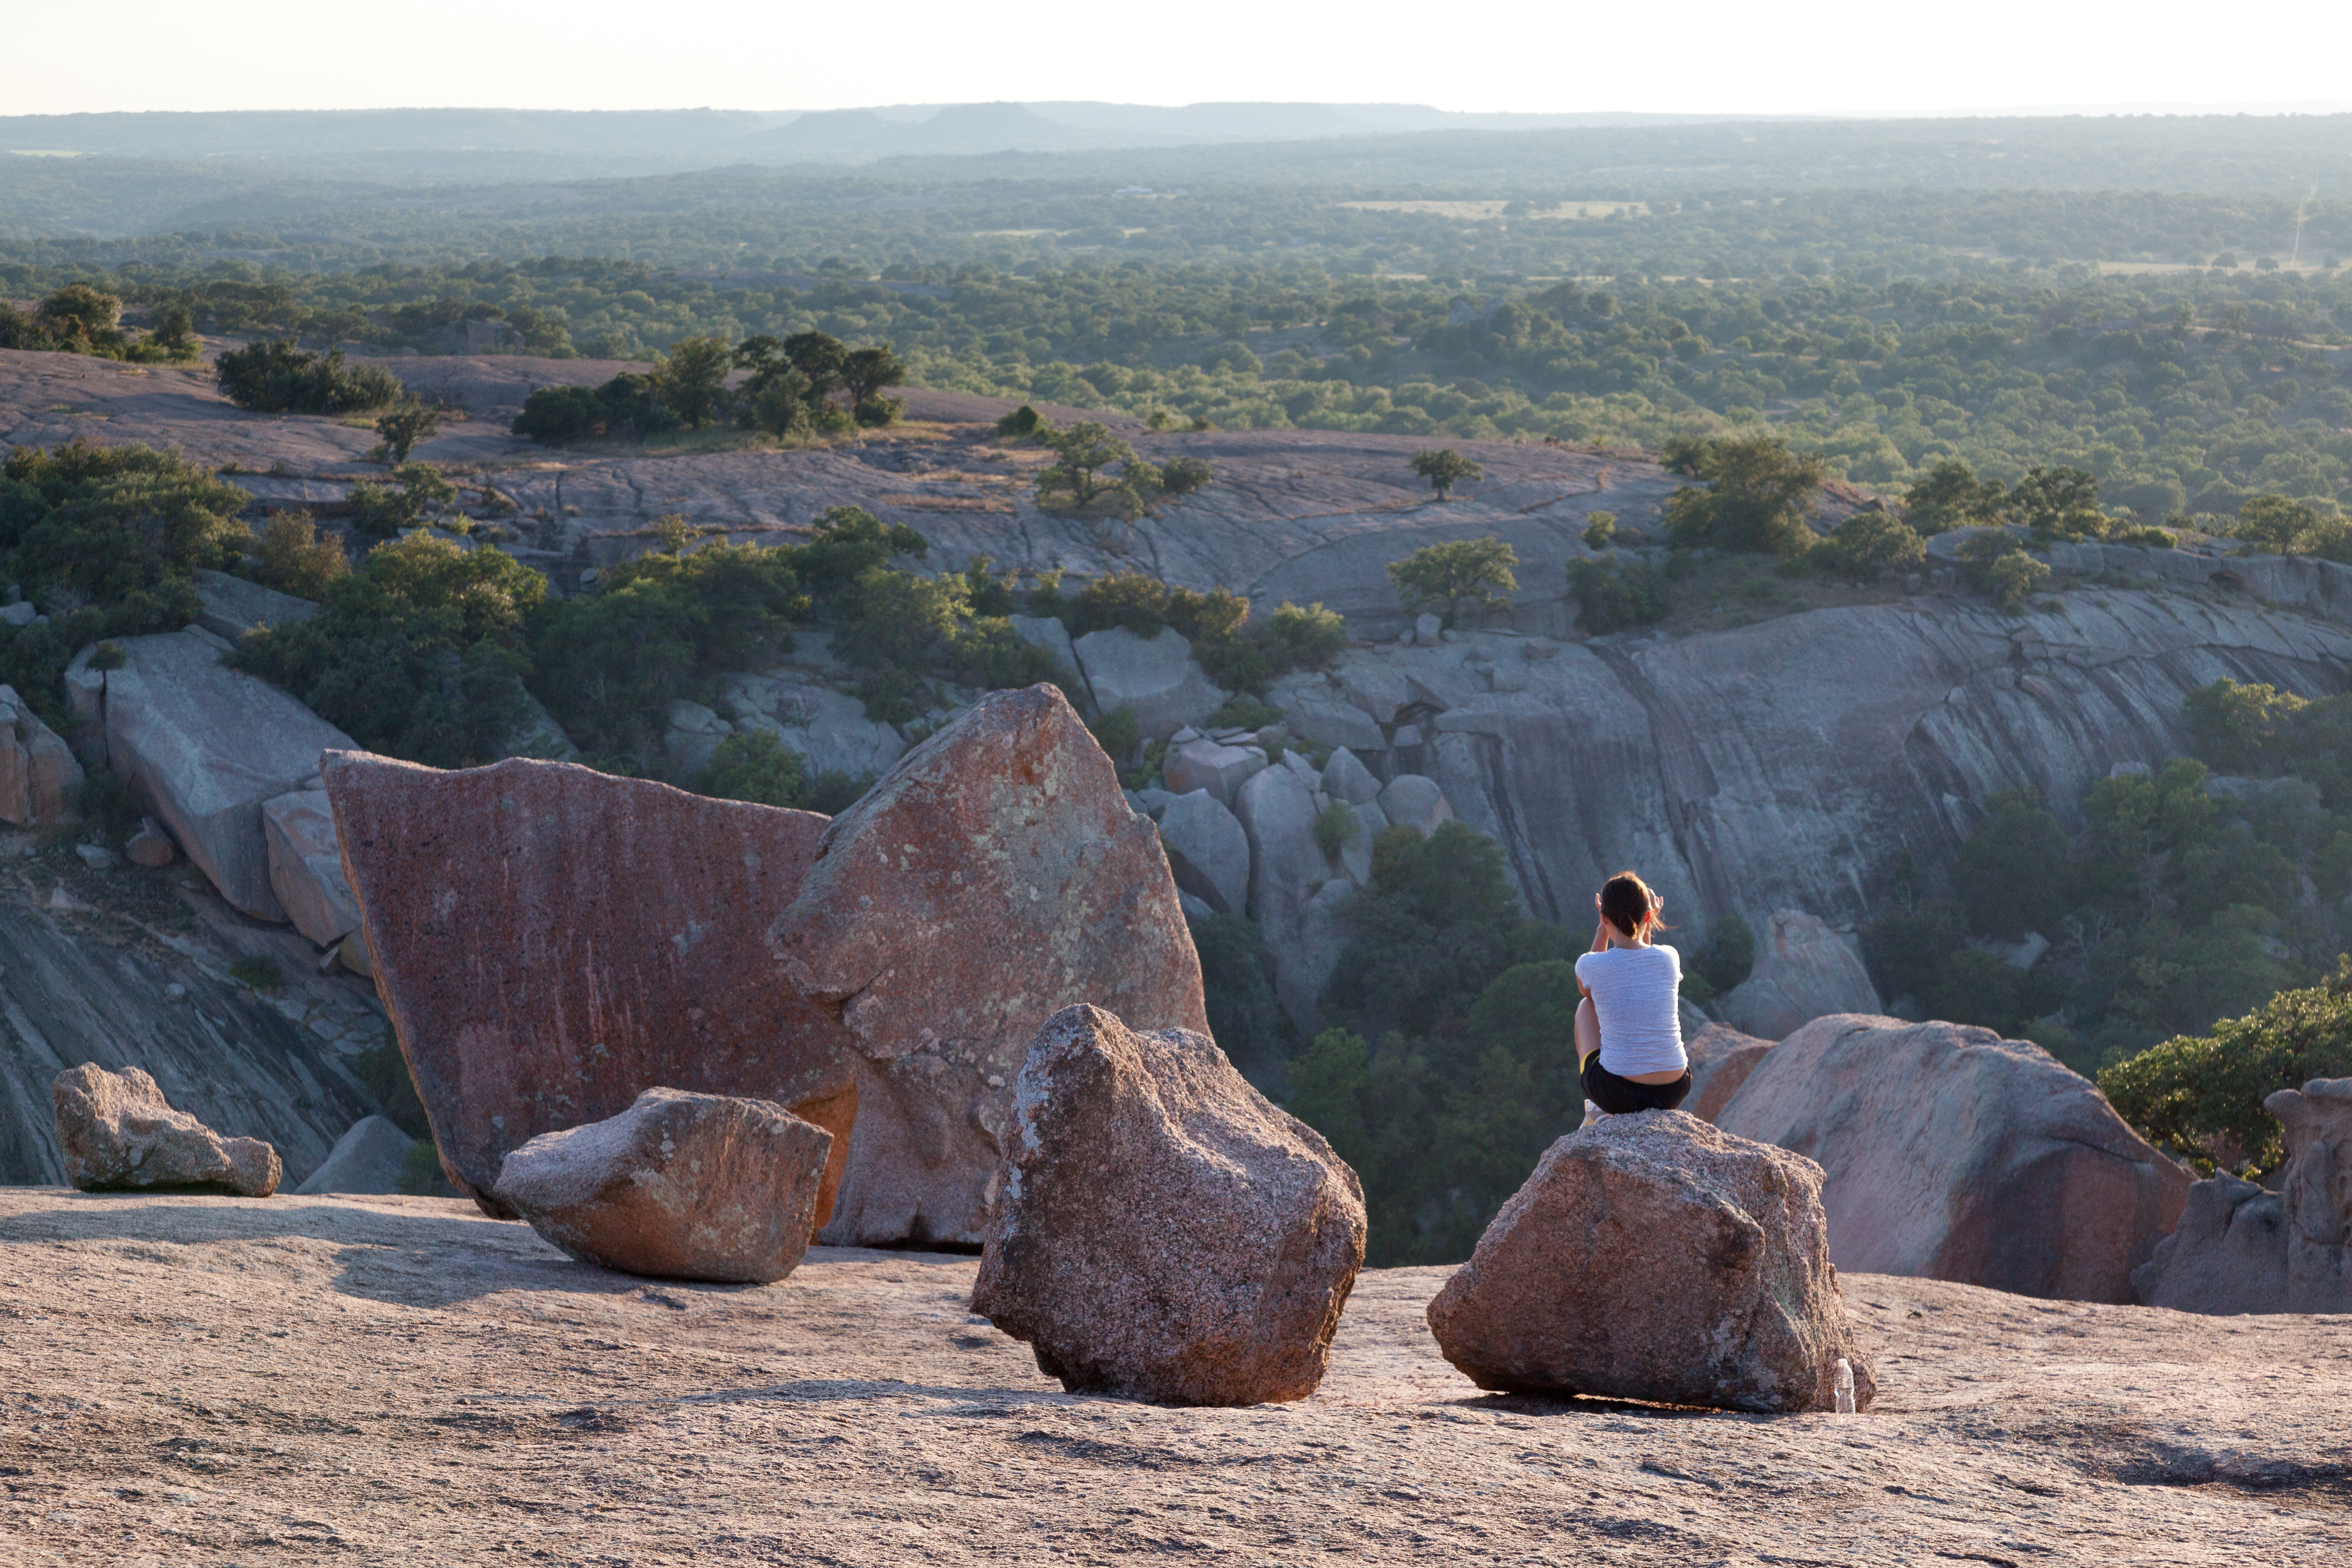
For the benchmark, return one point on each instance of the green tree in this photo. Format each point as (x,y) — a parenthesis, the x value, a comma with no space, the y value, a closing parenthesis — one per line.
(1461,573)
(1868,545)
(296,558)
(404,426)
(81,311)
(419,653)
(1446,467)
(753,765)
(2057,502)
(866,372)
(1083,451)
(2283,526)
(1759,493)
(1599,529)
(1950,497)
(1611,594)
(2015,872)
(693,379)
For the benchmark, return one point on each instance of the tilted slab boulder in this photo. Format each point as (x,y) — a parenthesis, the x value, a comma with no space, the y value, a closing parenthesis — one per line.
(1652,1257)
(369,1158)
(994,876)
(552,942)
(305,865)
(681,1187)
(1164,1233)
(37,770)
(2317,1186)
(202,746)
(1155,678)
(117,1134)
(1955,1154)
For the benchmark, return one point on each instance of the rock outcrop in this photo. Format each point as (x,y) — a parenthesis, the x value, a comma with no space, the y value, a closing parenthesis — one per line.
(37,771)
(233,607)
(1655,1258)
(1721,1058)
(1955,1154)
(994,876)
(118,1134)
(369,1158)
(1803,971)
(828,729)
(552,942)
(1210,765)
(202,746)
(682,1186)
(305,865)
(1164,1233)
(1208,850)
(1155,678)
(2238,1248)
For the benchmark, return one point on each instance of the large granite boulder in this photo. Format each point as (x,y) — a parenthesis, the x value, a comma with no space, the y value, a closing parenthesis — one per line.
(682,1186)
(231,606)
(1652,1257)
(202,746)
(1164,1233)
(1721,1058)
(370,1158)
(118,1134)
(1212,767)
(37,771)
(1414,801)
(829,729)
(1313,705)
(552,942)
(1155,678)
(1345,777)
(994,876)
(1804,971)
(2238,1248)
(1955,1154)
(305,865)
(1207,850)
(1287,870)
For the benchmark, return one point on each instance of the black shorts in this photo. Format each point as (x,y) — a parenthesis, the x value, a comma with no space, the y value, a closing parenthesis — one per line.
(1623,1097)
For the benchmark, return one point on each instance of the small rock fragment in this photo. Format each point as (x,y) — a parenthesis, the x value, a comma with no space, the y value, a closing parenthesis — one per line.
(118,1134)
(151,845)
(97,857)
(680,1186)
(1164,1233)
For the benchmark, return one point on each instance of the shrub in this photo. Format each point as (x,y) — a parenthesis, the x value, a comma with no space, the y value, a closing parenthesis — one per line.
(1024,423)
(1758,494)
(417,653)
(276,377)
(753,765)
(1611,594)
(1995,563)
(1868,545)
(1729,957)
(630,404)
(1335,827)
(295,558)
(383,1071)
(1444,468)
(404,426)
(1600,528)
(1462,573)
(1237,983)
(2203,1094)
(1183,476)
(1117,732)
(380,513)
(258,971)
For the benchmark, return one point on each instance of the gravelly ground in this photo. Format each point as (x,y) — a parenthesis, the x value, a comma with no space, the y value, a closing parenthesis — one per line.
(195,1379)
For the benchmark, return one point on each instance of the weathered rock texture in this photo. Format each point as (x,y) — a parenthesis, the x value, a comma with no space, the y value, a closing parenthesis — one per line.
(686,1186)
(995,875)
(1164,1233)
(1155,678)
(1956,1154)
(117,1134)
(369,1158)
(2240,1249)
(202,747)
(305,865)
(1721,1058)
(553,941)
(1803,971)
(37,770)
(1653,1256)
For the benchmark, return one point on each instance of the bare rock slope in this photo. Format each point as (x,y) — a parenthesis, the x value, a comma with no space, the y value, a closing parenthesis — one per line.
(402,1380)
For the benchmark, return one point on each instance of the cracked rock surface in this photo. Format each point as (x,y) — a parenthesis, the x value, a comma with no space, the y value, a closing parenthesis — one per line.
(400,1380)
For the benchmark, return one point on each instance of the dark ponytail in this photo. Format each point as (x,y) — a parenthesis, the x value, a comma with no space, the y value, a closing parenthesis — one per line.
(1627,904)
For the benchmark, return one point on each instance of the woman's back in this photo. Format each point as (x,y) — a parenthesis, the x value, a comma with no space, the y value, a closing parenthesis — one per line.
(1635,993)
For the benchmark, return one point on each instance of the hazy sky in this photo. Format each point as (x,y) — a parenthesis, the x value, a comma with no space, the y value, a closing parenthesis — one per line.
(1704,56)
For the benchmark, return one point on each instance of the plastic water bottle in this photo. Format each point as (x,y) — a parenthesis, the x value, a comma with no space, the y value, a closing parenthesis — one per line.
(1842,1387)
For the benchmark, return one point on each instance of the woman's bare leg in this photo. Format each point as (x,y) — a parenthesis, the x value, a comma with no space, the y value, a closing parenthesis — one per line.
(1587,1032)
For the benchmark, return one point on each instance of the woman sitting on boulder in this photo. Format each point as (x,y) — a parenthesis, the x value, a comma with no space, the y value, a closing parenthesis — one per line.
(1628,1028)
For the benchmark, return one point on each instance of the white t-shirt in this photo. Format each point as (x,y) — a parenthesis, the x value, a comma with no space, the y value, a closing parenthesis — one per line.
(1635,991)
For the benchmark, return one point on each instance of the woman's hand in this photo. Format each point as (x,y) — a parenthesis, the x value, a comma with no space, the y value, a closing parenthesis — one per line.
(1601,931)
